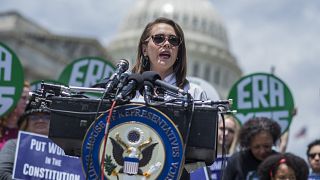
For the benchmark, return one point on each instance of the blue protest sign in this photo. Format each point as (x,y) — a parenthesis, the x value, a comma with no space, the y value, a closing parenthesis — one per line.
(201,173)
(314,176)
(37,157)
(213,172)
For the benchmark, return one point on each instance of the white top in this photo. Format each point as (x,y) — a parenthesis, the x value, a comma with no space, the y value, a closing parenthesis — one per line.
(193,89)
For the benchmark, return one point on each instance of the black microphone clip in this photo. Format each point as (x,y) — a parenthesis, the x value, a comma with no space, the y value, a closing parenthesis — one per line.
(148,92)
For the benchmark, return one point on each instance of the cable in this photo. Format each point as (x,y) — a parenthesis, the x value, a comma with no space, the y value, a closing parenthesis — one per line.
(106,132)
(91,145)
(223,155)
(188,129)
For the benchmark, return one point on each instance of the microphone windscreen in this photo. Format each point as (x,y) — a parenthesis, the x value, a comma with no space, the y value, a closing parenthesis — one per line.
(151,76)
(124,63)
(137,78)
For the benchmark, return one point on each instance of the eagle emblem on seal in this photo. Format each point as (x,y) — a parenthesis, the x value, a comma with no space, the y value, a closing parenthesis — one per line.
(132,155)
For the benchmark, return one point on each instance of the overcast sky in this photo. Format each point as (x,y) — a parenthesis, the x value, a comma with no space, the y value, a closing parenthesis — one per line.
(262,33)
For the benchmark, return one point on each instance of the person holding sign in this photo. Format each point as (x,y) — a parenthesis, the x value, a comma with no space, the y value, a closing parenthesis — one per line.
(313,153)
(283,166)
(162,49)
(256,138)
(9,124)
(33,120)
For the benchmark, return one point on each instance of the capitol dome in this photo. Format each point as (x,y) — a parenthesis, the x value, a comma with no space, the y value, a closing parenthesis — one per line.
(207,44)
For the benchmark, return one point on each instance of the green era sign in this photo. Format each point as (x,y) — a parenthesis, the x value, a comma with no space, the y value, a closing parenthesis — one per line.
(85,72)
(262,95)
(11,79)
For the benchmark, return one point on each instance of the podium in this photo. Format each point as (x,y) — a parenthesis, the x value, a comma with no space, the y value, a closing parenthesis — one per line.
(71,118)
(197,125)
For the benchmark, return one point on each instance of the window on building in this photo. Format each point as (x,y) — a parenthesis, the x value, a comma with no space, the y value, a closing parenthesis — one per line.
(176,16)
(195,69)
(217,76)
(207,73)
(185,19)
(212,29)
(195,22)
(204,25)
(226,79)
(155,15)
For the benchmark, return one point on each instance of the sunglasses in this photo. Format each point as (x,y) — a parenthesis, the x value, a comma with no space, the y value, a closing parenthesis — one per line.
(313,155)
(159,39)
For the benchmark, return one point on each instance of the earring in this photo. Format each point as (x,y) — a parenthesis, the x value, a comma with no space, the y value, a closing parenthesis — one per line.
(145,63)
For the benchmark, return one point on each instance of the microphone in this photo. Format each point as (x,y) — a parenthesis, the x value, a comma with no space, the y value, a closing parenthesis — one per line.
(56,89)
(134,83)
(151,76)
(123,79)
(156,79)
(67,90)
(122,66)
(170,87)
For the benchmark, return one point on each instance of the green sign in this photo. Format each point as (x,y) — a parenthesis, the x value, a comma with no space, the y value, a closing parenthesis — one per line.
(11,79)
(262,95)
(86,72)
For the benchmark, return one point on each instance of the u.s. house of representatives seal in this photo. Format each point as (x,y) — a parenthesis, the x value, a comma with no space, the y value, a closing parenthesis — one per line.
(143,143)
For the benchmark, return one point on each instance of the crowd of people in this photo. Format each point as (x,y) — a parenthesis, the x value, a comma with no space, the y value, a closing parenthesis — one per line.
(249,148)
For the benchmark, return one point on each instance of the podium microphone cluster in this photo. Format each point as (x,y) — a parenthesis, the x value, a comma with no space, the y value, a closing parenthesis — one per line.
(144,83)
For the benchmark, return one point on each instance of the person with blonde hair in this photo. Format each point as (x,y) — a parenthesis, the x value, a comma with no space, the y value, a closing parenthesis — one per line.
(229,141)
(226,144)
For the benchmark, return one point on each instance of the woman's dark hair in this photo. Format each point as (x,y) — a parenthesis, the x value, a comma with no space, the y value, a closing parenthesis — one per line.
(268,168)
(256,125)
(313,143)
(180,66)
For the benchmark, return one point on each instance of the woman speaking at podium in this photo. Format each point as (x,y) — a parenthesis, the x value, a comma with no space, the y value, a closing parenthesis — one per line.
(162,49)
